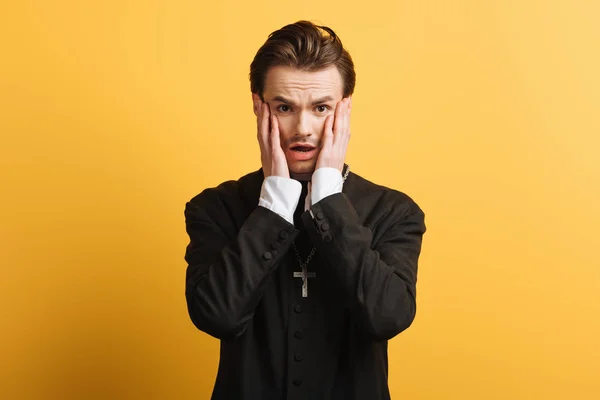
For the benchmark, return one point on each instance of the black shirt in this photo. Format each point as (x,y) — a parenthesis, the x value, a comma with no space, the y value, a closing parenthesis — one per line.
(276,344)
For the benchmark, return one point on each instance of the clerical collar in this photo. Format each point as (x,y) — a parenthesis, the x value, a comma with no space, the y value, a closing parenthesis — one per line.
(301,177)
(308,176)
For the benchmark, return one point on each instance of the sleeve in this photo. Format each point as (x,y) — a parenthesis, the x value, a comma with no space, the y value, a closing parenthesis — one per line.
(228,267)
(377,275)
(325,182)
(280,195)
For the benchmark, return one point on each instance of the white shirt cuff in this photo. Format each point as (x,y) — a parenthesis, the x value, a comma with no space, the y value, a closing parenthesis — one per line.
(280,195)
(325,182)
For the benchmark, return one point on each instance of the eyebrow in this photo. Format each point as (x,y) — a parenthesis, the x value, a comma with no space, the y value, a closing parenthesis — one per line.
(314,103)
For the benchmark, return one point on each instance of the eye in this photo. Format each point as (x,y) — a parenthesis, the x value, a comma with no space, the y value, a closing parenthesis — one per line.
(322,108)
(283,108)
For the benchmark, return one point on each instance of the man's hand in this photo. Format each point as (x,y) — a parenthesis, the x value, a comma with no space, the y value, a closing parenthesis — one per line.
(271,154)
(336,136)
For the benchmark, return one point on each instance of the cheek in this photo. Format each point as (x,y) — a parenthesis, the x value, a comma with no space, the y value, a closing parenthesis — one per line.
(285,127)
(318,125)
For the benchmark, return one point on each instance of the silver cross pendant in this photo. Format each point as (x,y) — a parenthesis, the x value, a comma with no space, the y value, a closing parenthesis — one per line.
(304,275)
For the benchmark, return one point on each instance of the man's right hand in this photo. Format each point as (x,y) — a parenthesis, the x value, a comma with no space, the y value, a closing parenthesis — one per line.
(271,154)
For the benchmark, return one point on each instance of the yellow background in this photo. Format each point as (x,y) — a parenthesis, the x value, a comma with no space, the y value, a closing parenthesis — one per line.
(114,113)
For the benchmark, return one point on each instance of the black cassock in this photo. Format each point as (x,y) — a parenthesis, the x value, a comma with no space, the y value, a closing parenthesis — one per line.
(275,343)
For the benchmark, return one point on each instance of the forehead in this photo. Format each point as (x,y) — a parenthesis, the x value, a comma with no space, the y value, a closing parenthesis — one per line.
(303,85)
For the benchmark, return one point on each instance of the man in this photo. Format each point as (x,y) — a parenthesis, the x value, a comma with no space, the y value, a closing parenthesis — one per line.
(302,269)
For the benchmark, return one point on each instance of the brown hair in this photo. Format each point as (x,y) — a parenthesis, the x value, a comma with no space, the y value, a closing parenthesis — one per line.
(305,46)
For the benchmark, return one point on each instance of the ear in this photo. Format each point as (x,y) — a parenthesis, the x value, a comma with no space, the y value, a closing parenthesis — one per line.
(256,103)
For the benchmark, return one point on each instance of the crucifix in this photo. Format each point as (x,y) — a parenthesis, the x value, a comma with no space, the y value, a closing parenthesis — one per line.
(304,275)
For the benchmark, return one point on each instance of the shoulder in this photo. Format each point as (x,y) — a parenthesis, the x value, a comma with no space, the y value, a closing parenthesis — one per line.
(238,191)
(373,197)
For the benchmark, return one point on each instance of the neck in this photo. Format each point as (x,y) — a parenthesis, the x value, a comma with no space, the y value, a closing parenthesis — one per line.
(307,176)
(301,177)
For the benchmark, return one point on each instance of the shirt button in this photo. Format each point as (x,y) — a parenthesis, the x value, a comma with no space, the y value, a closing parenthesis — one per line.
(298,308)
(324,226)
(283,235)
(297,382)
(327,238)
(320,215)
(267,255)
(298,357)
(298,334)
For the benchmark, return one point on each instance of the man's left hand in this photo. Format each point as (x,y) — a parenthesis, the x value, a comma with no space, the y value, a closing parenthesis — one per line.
(336,136)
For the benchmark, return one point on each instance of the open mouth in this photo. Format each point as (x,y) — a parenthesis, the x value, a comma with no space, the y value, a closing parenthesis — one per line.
(302,152)
(303,149)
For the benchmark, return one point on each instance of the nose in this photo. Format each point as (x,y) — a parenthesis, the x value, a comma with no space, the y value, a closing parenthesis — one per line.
(303,124)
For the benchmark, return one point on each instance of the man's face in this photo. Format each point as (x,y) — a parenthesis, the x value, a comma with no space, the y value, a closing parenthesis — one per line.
(301,101)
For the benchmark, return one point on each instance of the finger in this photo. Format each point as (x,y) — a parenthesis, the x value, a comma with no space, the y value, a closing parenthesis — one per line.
(259,109)
(275,139)
(346,117)
(342,136)
(338,117)
(340,120)
(347,120)
(348,113)
(263,130)
(328,131)
(259,116)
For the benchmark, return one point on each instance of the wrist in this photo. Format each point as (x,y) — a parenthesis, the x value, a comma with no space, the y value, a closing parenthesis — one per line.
(280,195)
(325,182)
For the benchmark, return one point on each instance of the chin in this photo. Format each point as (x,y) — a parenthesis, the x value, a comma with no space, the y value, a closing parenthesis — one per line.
(302,168)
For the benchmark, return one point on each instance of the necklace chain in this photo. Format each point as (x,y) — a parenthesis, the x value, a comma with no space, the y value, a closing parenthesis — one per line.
(314,249)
